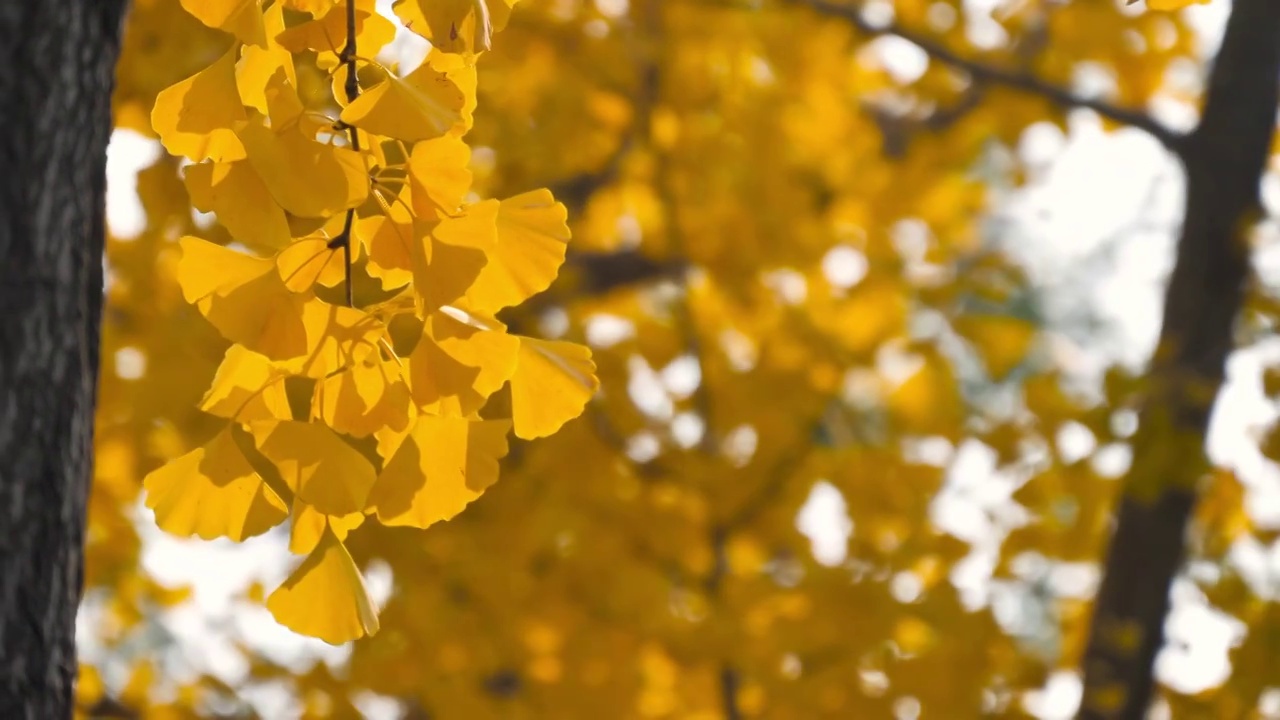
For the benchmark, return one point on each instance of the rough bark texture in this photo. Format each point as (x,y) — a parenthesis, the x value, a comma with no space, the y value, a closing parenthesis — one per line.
(56,76)
(1224,159)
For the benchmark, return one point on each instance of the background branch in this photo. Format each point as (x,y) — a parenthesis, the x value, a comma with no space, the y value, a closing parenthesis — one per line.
(993,74)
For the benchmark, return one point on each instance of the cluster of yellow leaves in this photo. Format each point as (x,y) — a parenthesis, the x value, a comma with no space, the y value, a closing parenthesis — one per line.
(734,139)
(380,405)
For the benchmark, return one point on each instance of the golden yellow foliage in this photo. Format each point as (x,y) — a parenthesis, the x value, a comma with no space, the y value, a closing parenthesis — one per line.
(763,279)
(270,162)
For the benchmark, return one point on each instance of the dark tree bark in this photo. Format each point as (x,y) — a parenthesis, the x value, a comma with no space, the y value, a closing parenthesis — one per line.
(56,77)
(1224,160)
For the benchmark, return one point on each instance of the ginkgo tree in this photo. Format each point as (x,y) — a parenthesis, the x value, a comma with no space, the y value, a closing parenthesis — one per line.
(788,265)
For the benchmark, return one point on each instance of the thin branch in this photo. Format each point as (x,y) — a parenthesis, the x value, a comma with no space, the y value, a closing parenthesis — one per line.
(352,87)
(729,693)
(993,74)
(576,191)
(600,273)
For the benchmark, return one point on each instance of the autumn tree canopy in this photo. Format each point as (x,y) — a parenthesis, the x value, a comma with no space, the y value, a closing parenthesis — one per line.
(550,318)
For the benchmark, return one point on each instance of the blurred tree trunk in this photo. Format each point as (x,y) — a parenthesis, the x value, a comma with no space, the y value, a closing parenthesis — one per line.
(55,119)
(1224,159)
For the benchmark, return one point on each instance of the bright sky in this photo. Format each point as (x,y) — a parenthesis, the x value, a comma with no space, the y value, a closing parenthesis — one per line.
(1100,213)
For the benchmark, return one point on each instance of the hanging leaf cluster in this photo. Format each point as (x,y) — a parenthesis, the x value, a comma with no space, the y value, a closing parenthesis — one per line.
(358,282)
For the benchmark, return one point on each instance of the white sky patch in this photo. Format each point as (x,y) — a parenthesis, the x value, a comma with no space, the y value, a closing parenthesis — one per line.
(131,363)
(127,154)
(903,60)
(377,707)
(604,330)
(1198,640)
(682,376)
(613,9)
(645,388)
(1059,698)
(788,286)
(687,429)
(824,519)
(408,49)
(844,266)
(1075,442)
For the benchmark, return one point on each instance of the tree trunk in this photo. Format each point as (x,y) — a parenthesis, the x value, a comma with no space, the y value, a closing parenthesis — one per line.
(1224,160)
(56,80)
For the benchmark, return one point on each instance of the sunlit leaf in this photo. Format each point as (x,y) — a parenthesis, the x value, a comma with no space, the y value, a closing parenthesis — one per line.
(213,492)
(198,117)
(532,236)
(552,383)
(423,105)
(321,469)
(455,26)
(308,178)
(325,597)
(443,465)
(237,194)
(242,18)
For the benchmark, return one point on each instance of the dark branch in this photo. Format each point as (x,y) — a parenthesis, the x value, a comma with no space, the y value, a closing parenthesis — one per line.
(993,74)
(352,87)
(577,190)
(600,273)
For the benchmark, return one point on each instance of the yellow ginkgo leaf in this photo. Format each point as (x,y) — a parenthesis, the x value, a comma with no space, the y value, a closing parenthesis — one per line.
(308,526)
(258,64)
(532,237)
(424,104)
(325,597)
(368,395)
(455,367)
(455,26)
(310,261)
(321,469)
(284,107)
(206,268)
(213,492)
(389,244)
(198,117)
(264,316)
(339,336)
(247,387)
(315,8)
(237,194)
(254,70)
(441,467)
(552,383)
(450,257)
(308,178)
(328,33)
(439,176)
(242,18)
(245,299)
(461,71)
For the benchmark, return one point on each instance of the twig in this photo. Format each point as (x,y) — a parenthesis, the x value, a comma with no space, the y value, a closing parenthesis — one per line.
(984,72)
(729,693)
(352,87)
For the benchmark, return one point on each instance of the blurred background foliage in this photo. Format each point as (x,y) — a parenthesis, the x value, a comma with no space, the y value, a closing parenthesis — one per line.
(857,443)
